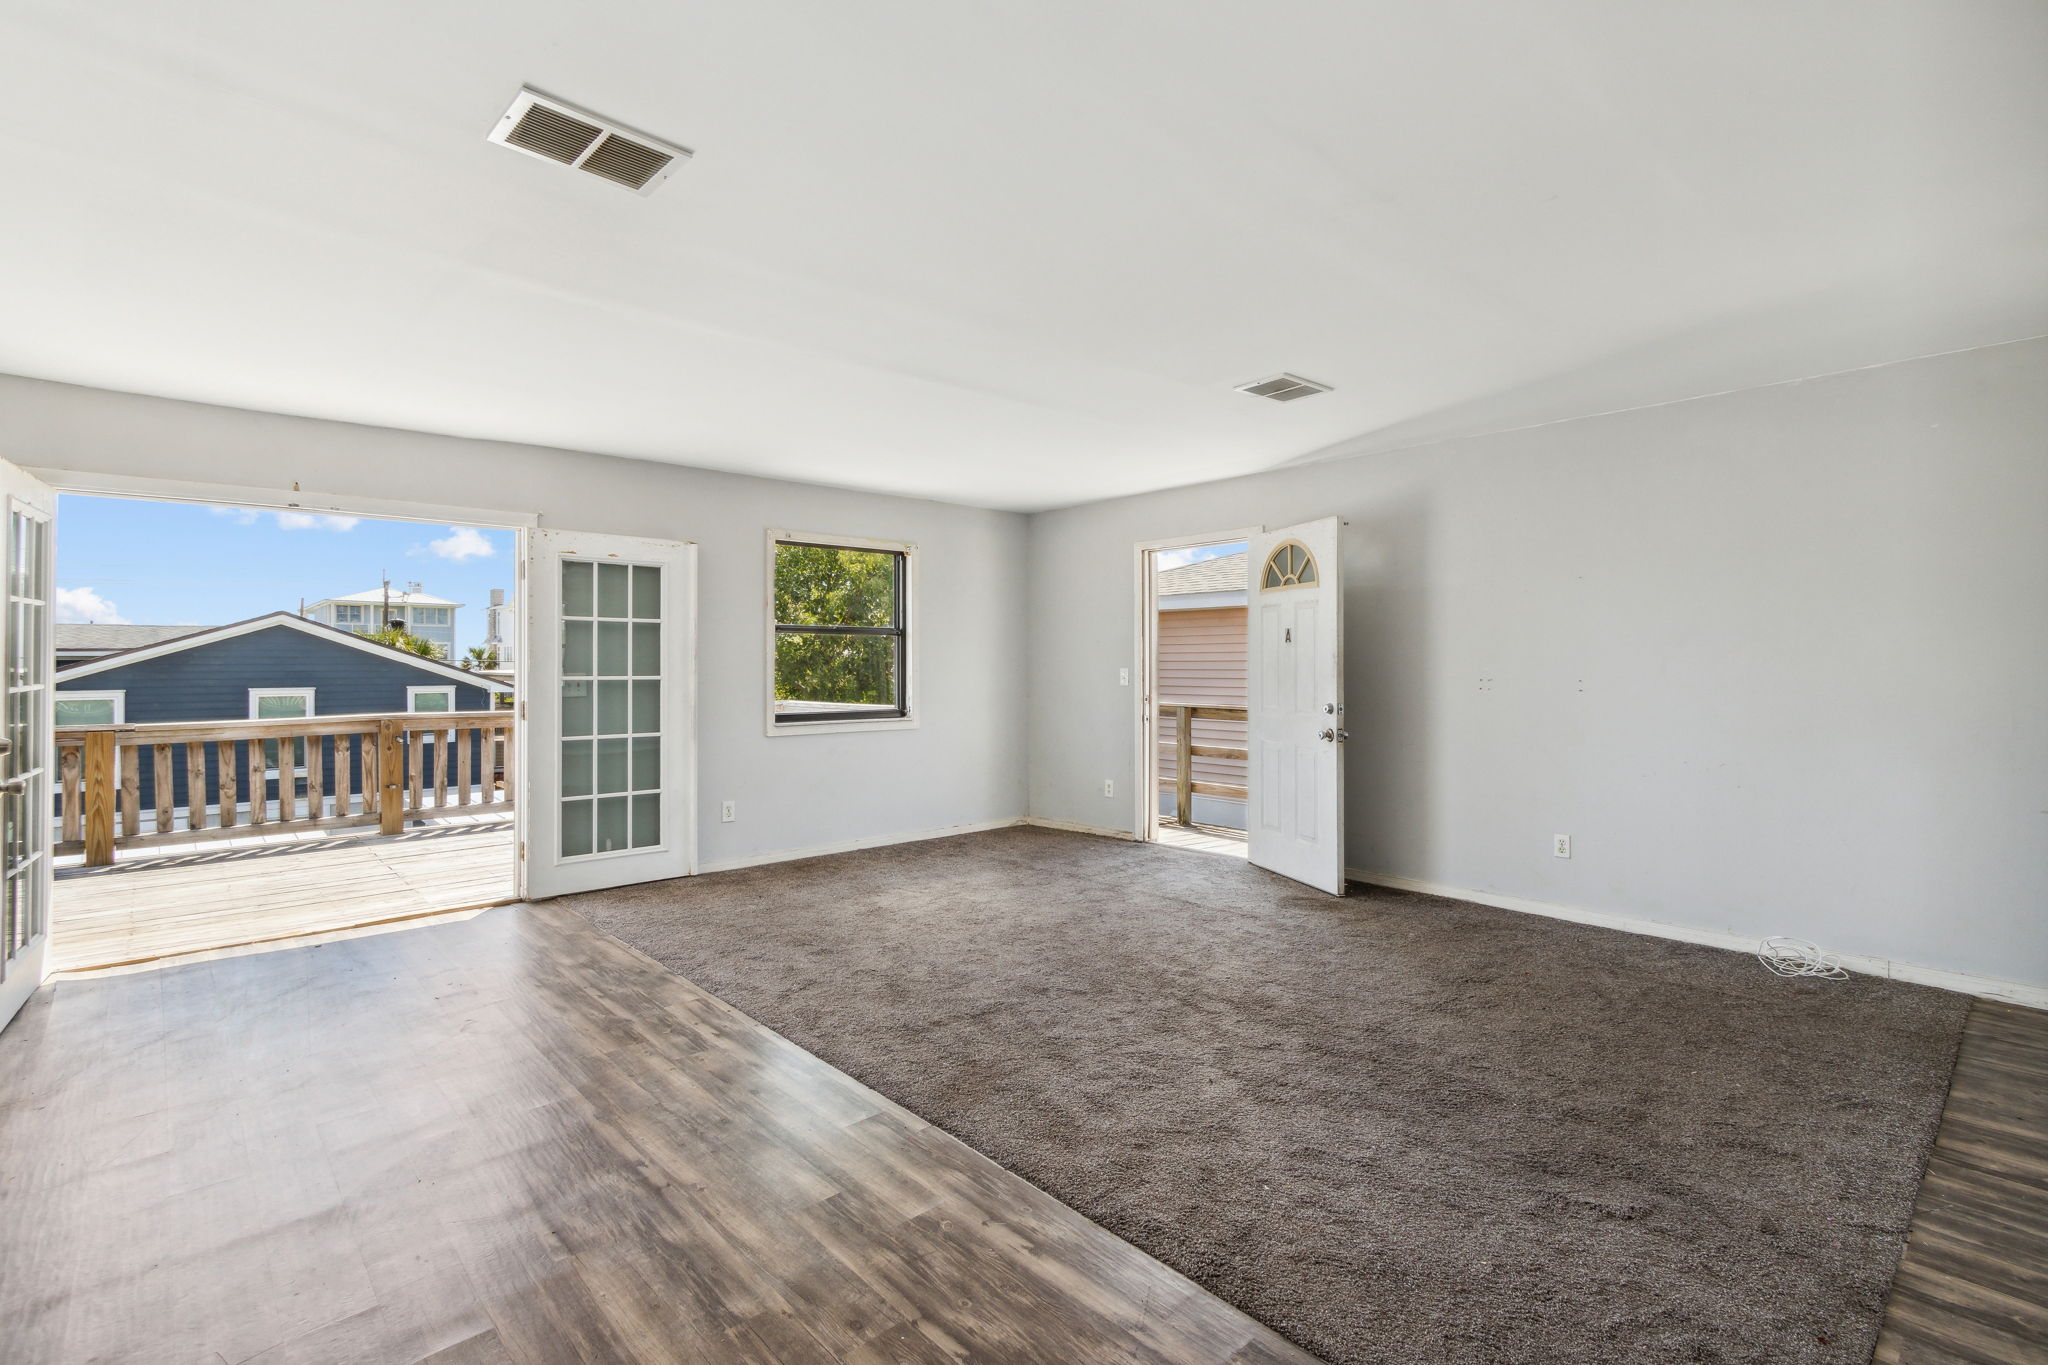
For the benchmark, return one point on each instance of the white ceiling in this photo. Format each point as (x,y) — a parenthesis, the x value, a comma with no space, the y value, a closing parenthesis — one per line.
(1014,255)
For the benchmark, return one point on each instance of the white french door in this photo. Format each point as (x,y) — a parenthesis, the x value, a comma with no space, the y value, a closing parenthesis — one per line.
(26,738)
(606,741)
(1296,722)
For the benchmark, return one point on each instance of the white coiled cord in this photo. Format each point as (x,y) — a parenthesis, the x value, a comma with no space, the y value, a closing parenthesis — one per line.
(1798,958)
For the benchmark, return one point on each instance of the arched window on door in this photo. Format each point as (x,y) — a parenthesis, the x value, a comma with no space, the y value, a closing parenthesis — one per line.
(1289,566)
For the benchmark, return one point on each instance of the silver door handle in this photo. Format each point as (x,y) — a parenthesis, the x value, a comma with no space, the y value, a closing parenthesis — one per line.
(14,786)
(1334,736)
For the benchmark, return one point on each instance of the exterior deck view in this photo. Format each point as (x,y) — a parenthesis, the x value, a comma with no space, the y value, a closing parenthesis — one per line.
(178,838)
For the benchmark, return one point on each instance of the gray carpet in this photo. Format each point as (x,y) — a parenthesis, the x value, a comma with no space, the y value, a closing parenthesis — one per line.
(1395,1127)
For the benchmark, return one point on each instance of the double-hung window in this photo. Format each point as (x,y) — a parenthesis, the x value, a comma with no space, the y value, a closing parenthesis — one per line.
(281,703)
(839,633)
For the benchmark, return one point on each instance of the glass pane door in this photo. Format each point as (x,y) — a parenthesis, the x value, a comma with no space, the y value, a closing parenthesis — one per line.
(607,732)
(26,804)
(610,784)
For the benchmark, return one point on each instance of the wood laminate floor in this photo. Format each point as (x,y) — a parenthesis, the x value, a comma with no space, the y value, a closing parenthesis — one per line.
(513,1139)
(1972,1287)
(163,904)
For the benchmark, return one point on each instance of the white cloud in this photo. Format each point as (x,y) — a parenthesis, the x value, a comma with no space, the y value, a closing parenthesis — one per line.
(288,521)
(463,542)
(79,605)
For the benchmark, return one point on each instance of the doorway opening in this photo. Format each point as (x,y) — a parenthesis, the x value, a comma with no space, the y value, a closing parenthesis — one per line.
(1195,771)
(273,723)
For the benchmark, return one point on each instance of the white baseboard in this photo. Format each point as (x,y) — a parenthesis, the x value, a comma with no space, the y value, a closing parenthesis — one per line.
(1990,987)
(1075,827)
(852,845)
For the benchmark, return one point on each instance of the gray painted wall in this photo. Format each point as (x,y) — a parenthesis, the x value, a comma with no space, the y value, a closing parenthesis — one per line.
(1772,659)
(1777,660)
(965,763)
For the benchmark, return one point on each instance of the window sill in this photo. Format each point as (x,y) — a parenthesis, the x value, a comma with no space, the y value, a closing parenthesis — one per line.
(812,727)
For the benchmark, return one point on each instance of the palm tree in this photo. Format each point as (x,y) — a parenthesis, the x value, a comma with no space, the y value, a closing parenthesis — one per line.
(480,658)
(398,637)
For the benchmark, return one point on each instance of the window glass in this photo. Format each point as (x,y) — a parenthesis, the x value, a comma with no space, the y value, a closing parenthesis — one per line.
(88,711)
(440,699)
(612,687)
(840,633)
(288,706)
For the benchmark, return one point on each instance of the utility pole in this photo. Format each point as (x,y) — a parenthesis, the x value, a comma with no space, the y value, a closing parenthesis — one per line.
(384,621)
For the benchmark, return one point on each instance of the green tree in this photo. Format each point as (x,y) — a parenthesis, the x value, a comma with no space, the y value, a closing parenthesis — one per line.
(480,658)
(397,637)
(819,585)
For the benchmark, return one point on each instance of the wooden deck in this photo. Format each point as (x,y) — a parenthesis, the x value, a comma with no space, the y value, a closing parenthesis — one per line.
(258,890)
(1203,838)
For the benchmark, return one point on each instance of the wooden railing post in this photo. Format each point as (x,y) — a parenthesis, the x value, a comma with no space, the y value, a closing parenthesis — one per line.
(99,798)
(1184,766)
(390,774)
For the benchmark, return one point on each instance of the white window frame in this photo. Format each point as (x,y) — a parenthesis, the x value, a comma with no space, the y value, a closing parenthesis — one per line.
(258,693)
(911,700)
(412,695)
(117,695)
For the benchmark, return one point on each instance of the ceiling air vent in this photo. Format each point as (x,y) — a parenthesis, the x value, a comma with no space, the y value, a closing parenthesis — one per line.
(1283,388)
(542,126)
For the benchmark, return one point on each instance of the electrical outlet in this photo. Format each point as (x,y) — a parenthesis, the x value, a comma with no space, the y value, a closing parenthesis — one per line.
(1109,786)
(1123,677)
(728,811)
(1561,845)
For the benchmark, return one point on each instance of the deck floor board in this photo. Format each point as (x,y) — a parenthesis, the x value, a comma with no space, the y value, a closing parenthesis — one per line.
(171,904)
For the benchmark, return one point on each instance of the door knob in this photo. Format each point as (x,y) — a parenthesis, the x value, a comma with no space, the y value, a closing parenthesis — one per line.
(1334,736)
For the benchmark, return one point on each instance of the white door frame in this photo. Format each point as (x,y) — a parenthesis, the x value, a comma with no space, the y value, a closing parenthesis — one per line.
(1147,658)
(149,488)
(540,713)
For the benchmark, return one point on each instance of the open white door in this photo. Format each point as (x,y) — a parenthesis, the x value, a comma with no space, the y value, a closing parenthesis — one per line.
(26,807)
(606,741)
(1296,769)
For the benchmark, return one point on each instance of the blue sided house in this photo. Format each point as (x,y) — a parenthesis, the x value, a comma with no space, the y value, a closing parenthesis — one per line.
(274,667)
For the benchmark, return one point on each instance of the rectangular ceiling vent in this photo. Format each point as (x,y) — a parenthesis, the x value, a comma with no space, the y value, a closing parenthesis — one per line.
(540,125)
(1283,388)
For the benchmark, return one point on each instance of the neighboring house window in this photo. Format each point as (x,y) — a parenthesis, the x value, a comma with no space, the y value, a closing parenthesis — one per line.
(92,708)
(840,622)
(430,698)
(436,625)
(352,616)
(281,703)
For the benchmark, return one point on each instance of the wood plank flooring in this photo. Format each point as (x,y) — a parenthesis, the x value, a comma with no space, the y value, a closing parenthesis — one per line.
(1972,1287)
(513,1139)
(165,904)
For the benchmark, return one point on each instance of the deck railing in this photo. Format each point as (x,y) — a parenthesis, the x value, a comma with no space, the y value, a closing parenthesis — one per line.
(140,786)
(1177,741)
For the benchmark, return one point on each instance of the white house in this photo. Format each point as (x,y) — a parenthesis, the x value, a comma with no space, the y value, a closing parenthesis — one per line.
(425,615)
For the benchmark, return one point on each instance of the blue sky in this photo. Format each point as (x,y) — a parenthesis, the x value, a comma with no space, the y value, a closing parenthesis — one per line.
(162,563)
(1173,559)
